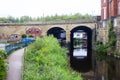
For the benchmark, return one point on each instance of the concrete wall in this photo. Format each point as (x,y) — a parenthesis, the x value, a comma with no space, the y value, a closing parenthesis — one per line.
(102,31)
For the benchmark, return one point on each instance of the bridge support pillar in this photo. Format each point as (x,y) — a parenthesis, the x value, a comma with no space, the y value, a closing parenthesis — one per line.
(68,37)
(67,34)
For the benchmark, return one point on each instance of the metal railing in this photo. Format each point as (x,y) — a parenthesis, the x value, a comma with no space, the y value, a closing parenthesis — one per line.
(11,47)
(3,40)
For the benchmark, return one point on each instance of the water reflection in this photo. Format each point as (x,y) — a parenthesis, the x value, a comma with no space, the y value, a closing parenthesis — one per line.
(80,53)
(80,44)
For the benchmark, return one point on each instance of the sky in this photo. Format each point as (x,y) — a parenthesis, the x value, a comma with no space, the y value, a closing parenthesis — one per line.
(35,8)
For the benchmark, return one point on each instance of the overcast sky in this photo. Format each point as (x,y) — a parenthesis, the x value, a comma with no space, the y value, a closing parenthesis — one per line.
(35,8)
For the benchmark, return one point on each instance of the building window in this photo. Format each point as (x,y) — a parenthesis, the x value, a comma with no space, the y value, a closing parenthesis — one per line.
(110,0)
(104,24)
(115,22)
(104,8)
(119,8)
(104,1)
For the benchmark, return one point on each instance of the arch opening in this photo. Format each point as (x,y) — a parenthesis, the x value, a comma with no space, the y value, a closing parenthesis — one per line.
(58,33)
(81,48)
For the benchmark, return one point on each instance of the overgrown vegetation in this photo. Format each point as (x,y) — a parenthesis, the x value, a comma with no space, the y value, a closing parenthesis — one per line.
(109,48)
(111,38)
(102,51)
(46,60)
(3,65)
(56,17)
(31,36)
(24,35)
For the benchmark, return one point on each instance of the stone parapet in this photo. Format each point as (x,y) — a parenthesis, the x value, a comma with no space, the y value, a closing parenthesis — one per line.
(50,22)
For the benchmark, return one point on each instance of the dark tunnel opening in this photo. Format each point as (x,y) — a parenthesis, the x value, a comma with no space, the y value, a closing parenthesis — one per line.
(58,33)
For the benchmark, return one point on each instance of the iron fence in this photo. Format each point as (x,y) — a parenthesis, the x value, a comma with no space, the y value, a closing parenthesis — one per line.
(11,47)
(25,42)
(3,40)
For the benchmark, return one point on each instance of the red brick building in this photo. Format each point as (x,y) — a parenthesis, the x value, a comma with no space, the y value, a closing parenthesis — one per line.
(104,9)
(109,8)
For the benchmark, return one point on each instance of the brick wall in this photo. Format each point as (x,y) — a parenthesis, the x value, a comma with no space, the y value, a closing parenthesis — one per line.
(103,6)
(109,8)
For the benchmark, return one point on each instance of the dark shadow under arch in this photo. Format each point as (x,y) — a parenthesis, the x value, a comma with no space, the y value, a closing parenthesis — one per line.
(57,32)
(84,64)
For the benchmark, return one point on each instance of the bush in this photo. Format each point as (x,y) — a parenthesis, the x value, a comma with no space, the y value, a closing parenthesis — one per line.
(102,51)
(46,60)
(31,36)
(24,35)
(3,66)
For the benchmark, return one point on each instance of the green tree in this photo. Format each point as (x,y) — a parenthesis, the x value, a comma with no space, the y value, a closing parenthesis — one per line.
(25,19)
(55,17)
(11,19)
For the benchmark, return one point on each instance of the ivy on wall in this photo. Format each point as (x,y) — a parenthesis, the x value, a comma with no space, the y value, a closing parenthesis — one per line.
(109,48)
(112,37)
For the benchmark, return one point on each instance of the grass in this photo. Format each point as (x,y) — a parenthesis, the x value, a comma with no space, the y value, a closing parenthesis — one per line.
(46,60)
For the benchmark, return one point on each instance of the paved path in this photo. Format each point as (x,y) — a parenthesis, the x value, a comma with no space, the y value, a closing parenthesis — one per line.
(15,65)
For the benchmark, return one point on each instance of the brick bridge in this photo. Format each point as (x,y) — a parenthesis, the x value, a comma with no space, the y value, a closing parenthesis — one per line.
(20,28)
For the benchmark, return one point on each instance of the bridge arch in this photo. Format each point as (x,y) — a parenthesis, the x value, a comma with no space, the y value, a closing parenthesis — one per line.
(86,29)
(57,32)
(76,26)
(82,54)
